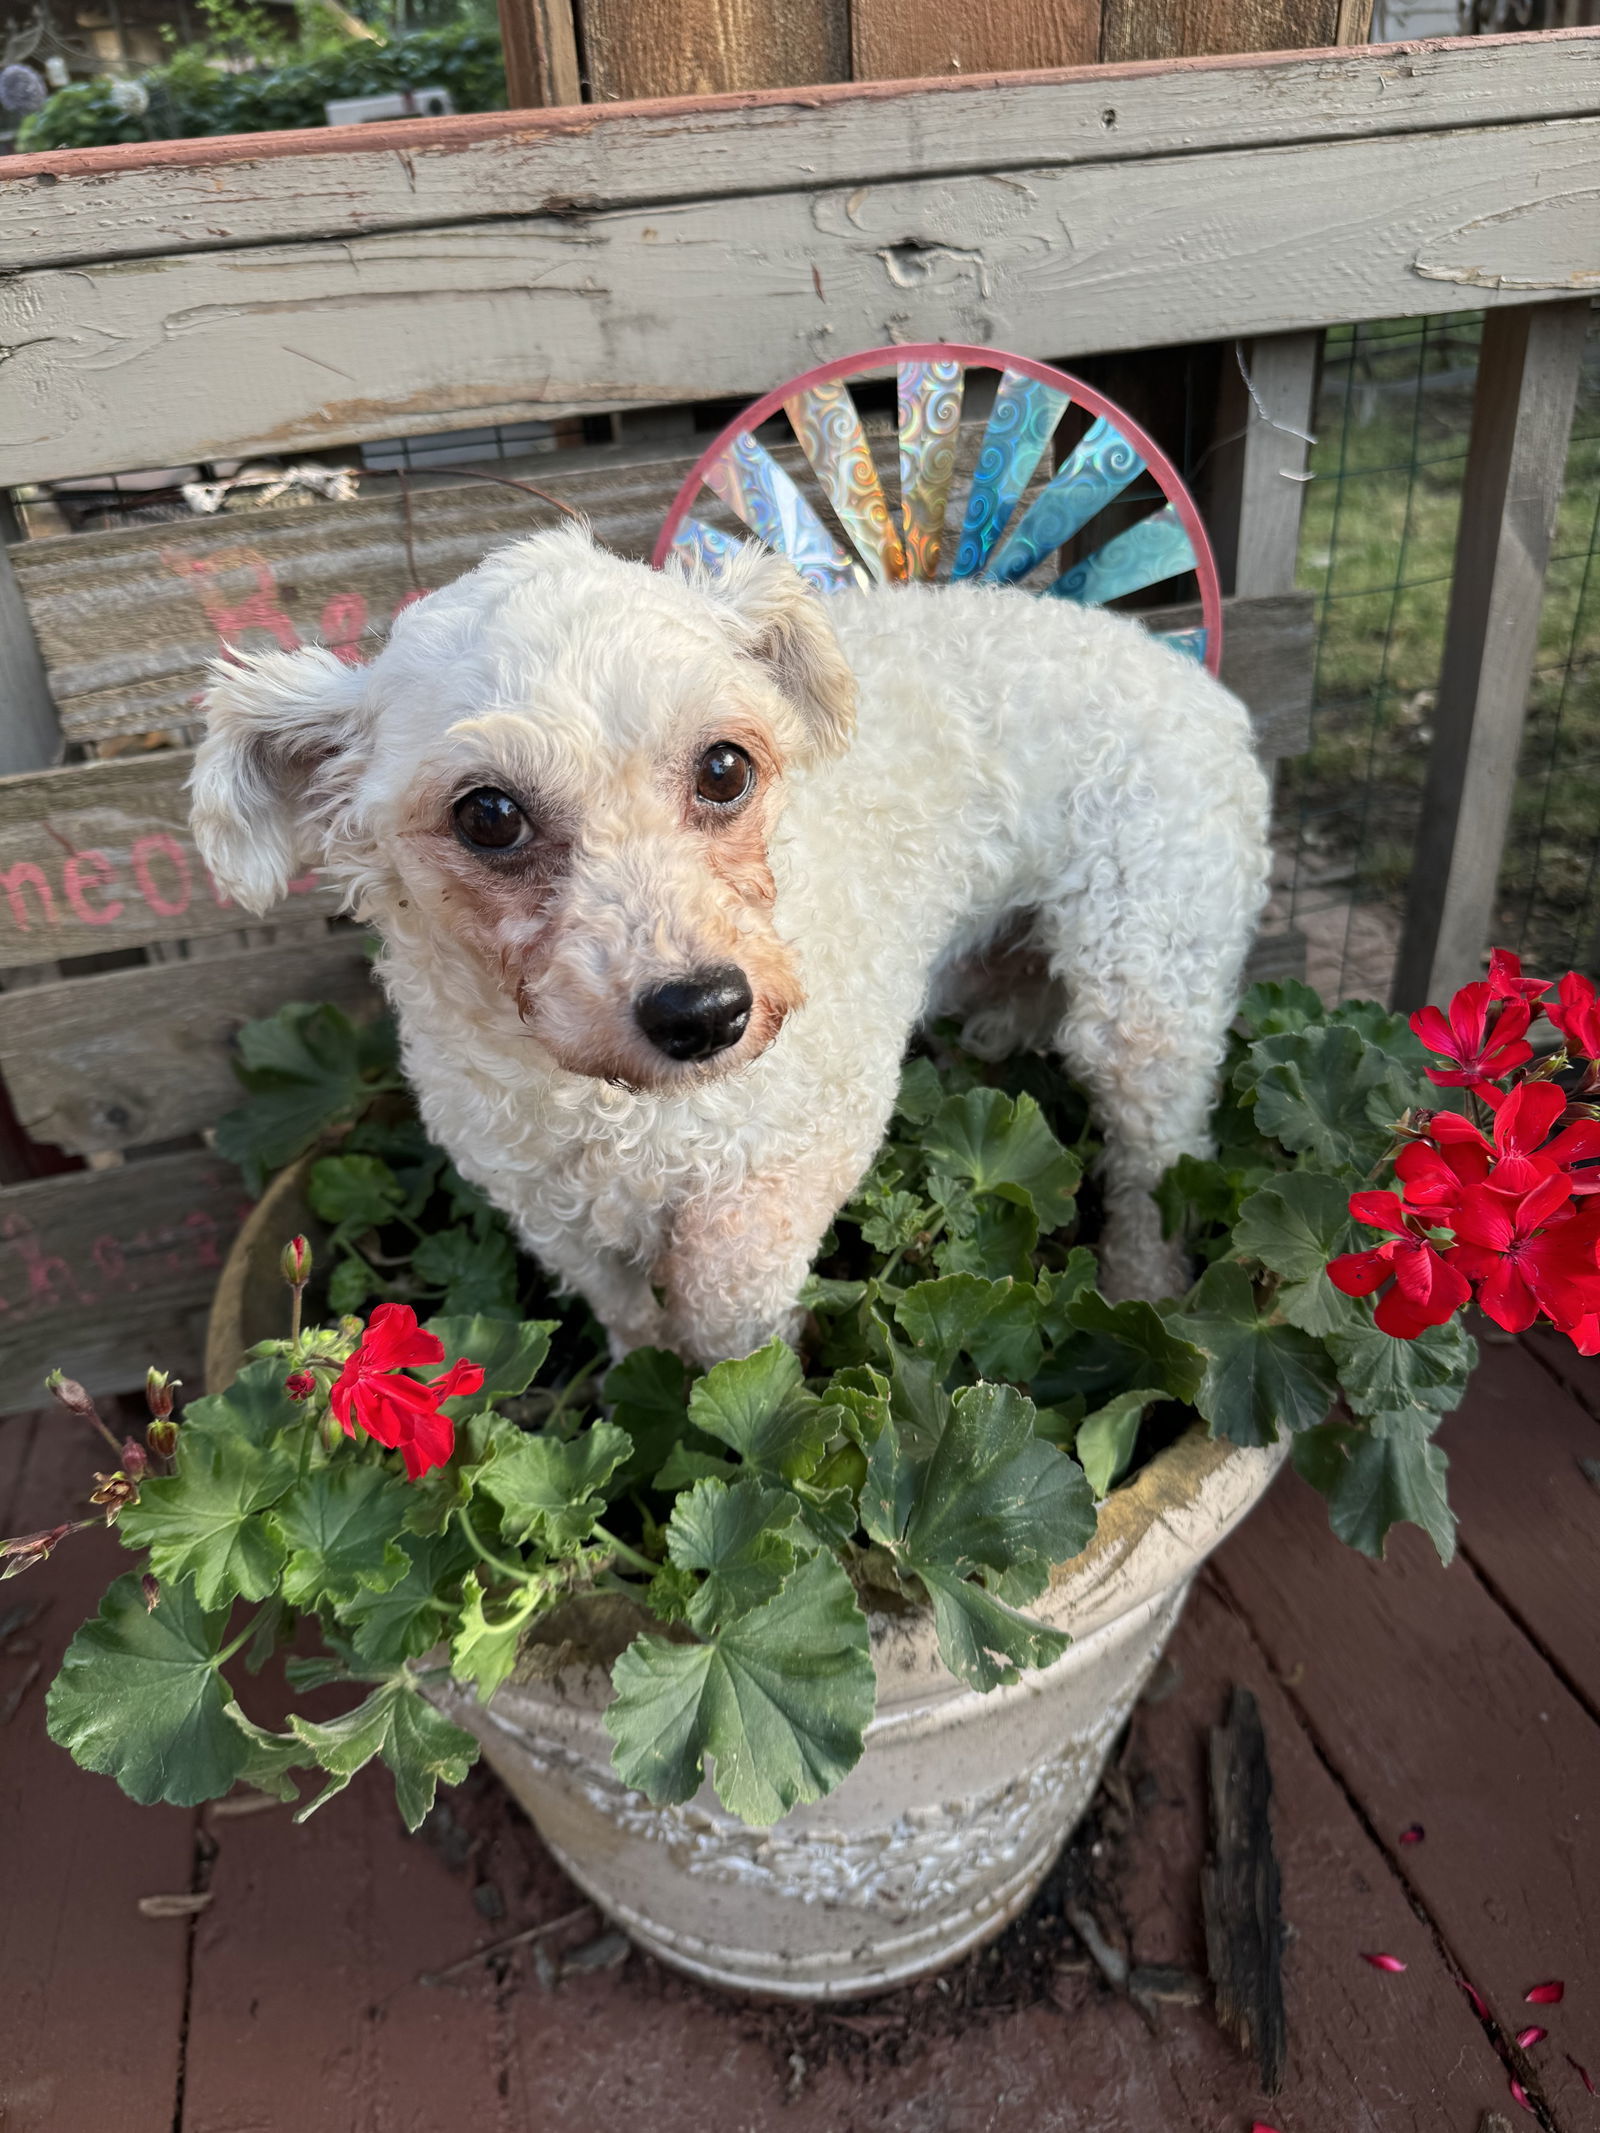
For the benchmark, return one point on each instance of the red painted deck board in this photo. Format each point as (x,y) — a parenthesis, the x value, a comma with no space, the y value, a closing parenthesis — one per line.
(91,1992)
(1431,1706)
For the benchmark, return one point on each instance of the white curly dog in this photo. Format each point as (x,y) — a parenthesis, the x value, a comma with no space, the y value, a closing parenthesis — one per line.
(668,869)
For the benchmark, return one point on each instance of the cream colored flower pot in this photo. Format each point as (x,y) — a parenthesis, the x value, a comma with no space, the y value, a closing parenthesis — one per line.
(947,1825)
(953,1816)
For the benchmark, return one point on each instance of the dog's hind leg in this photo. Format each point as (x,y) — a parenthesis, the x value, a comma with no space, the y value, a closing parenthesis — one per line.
(1150,948)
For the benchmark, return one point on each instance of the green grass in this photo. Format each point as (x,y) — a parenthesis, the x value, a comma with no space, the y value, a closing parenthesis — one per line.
(1377,547)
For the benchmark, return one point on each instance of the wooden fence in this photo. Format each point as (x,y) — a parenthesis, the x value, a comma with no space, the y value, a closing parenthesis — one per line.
(206,299)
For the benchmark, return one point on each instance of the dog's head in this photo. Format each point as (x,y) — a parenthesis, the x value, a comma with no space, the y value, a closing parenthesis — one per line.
(564,767)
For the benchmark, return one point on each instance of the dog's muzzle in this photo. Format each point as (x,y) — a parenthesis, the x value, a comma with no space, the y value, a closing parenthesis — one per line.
(696,1016)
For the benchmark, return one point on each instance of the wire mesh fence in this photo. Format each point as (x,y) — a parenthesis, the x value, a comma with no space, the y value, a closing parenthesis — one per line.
(1377,547)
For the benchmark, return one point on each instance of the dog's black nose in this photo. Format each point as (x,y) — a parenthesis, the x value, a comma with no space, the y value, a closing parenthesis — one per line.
(690,1018)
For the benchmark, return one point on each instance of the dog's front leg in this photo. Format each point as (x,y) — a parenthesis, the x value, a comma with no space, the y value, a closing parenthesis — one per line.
(738,1257)
(616,1289)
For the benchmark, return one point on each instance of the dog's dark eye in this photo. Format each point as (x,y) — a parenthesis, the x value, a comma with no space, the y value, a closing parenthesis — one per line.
(724,774)
(491,821)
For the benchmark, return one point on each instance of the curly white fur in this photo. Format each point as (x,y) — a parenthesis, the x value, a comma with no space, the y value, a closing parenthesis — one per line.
(1011,756)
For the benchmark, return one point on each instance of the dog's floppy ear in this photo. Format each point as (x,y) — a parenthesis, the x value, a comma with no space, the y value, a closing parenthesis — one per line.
(274,720)
(777,620)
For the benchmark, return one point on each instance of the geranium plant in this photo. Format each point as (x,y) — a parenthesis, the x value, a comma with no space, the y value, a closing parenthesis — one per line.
(437,1485)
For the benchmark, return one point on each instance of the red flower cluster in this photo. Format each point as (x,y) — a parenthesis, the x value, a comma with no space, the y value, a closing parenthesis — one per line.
(374,1391)
(1513,1216)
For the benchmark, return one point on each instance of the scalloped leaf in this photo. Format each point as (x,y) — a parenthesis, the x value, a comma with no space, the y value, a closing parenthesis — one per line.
(201,1522)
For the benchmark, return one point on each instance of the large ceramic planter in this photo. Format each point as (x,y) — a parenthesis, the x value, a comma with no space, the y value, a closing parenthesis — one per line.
(945,1828)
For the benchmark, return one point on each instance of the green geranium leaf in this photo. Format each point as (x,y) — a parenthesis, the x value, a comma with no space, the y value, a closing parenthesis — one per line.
(779,1699)
(1295,1226)
(684,1466)
(201,1521)
(341,1526)
(1280,1005)
(387,1628)
(351,1283)
(921,1092)
(489,1631)
(995,1322)
(860,1395)
(736,1537)
(759,1407)
(992,1498)
(307,1068)
(418,1743)
(890,1220)
(1325,1092)
(1373,1483)
(1105,1439)
(548,1490)
(982,1640)
(357,1189)
(271,1757)
(1105,1348)
(1001,1145)
(478,1273)
(1385,1376)
(138,1698)
(648,1394)
(508,1352)
(827,1514)
(1258,1372)
(994,1239)
(255,1409)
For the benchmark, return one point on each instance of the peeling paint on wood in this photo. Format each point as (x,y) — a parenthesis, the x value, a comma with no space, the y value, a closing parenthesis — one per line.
(99,856)
(208,354)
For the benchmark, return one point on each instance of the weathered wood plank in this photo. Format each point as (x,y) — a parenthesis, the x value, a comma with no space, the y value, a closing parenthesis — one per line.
(1516,466)
(538,40)
(104,1272)
(893,40)
(1259,486)
(1431,1706)
(1514,1453)
(128,1058)
(98,855)
(30,733)
(290,345)
(1180,29)
(641,48)
(93,1992)
(147,199)
(1366,2053)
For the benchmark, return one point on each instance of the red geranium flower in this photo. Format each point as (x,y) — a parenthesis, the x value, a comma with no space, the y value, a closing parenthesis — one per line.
(394,1409)
(1537,1253)
(1577,1015)
(1481,1052)
(1425,1289)
(1506,981)
(1435,1171)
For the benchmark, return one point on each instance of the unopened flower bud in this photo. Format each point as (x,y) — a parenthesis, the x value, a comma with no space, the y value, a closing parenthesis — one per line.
(134,1458)
(162,1438)
(152,1593)
(70,1393)
(300,1384)
(29,1548)
(159,1387)
(296,1262)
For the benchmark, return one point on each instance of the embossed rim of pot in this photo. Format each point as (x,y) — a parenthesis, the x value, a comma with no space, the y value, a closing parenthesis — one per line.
(960,1803)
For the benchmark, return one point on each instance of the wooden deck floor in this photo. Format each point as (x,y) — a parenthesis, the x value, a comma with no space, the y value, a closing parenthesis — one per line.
(1466,1701)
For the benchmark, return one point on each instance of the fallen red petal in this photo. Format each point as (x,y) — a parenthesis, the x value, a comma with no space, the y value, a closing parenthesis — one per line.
(1261,2126)
(1480,2005)
(1582,2073)
(1550,1995)
(1413,1835)
(1520,2095)
(1533,2034)
(1384,1962)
